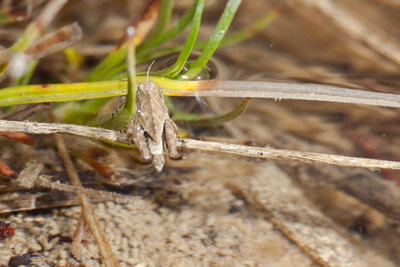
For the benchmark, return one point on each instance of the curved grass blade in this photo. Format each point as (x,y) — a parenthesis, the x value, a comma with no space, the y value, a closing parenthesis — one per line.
(170,34)
(123,116)
(217,120)
(175,69)
(226,18)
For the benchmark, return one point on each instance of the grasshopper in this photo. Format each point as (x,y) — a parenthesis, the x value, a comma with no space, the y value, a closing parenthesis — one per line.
(151,127)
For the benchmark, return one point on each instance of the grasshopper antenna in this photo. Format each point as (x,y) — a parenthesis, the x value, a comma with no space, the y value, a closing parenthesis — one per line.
(148,70)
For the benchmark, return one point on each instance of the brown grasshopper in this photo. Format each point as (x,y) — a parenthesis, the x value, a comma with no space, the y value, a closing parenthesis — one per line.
(152,128)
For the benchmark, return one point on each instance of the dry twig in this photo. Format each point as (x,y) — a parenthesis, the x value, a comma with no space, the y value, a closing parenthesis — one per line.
(241,150)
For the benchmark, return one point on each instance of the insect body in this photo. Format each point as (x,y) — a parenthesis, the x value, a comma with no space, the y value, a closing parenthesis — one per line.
(152,128)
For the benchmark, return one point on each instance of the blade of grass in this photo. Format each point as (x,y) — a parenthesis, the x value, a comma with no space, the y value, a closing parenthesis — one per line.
(34,29)
(129,106)
(239,36)
(122,118)
(170,34)
(252,29)
(148,45)
(175,69)
(143,23)
(273,90)
(226,18)
(217,120)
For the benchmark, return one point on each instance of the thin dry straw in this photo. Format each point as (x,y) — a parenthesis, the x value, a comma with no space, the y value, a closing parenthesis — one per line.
(282,154)
(247,151)
(29,177)
(93,223)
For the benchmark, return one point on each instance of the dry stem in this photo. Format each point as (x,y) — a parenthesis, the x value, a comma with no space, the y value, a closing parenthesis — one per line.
(241,150)
(87,208)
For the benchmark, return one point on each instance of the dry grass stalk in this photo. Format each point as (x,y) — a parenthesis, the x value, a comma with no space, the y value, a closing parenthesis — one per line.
(282,154)
(77,239)
(49,128)
(241,150)
(104,195)
(27,112)
(295,91)
(55,41)
(29,177)
(87,208)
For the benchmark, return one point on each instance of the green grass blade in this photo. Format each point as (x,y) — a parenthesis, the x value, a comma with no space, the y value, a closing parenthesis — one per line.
(217,120)
(175,69)
(216,38)
(251,29)
(81,91)
(239,36)
(170,34)
(113,59)
(129,106)
(60,92)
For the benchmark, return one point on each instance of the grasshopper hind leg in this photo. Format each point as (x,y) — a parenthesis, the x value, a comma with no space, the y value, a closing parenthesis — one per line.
(171,139)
